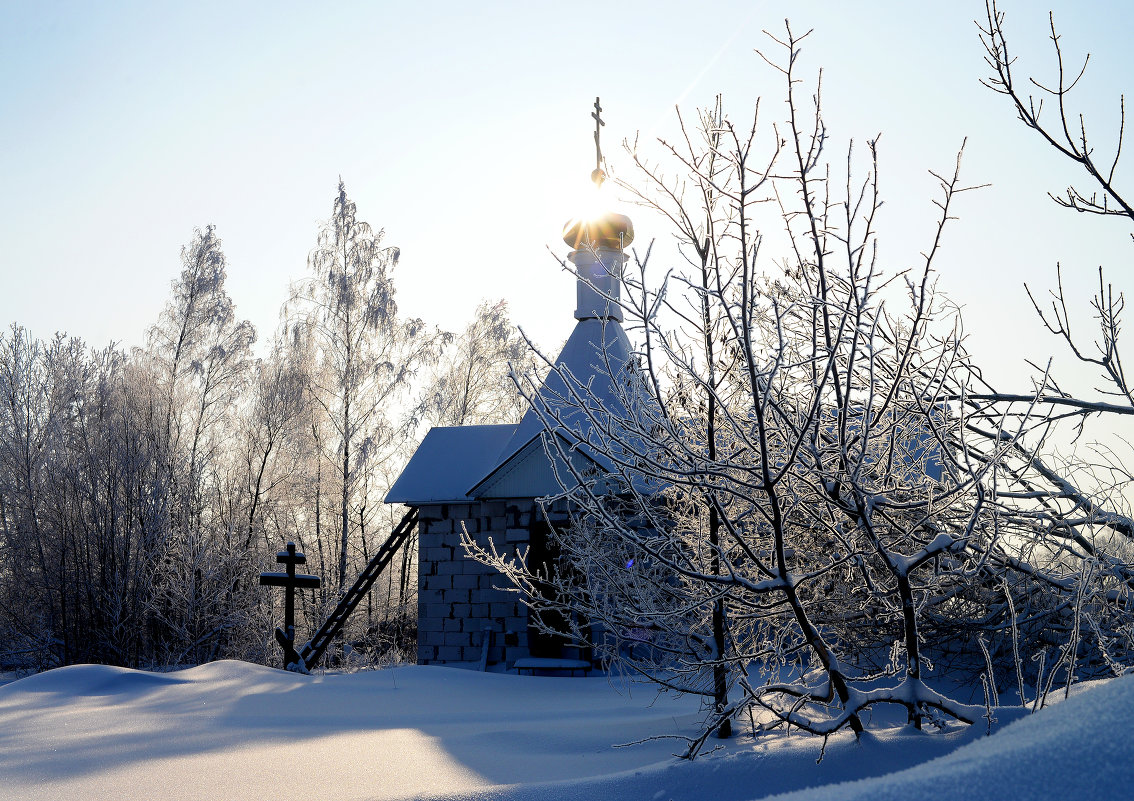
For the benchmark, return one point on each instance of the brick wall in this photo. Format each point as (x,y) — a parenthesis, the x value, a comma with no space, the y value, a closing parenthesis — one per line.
(458,598)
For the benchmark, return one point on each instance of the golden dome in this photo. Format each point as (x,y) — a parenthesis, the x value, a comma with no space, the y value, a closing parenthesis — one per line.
(611,230)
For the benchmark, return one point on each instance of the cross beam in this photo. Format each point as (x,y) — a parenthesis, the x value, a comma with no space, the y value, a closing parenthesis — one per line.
(290,581)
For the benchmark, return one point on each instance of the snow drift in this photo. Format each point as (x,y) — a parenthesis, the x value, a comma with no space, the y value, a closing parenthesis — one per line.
(230,730)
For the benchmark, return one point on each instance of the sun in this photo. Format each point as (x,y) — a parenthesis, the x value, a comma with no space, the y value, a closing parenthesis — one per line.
(588,201)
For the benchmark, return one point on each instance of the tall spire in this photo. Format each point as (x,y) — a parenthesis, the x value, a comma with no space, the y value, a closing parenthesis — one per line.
(588,385)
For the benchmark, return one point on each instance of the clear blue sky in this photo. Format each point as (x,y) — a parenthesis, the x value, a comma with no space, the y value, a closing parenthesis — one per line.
(463,129)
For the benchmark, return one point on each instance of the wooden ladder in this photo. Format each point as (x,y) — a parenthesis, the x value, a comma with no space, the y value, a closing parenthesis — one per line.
(313,650)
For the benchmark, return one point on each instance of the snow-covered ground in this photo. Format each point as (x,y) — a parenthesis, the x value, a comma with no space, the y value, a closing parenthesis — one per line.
(232,731)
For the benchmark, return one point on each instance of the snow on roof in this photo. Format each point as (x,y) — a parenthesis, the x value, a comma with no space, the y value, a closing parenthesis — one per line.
(532,472)
(449,461)
(459,464)
(594,362)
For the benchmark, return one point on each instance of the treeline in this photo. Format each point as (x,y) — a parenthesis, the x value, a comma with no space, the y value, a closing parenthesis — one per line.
(142,492)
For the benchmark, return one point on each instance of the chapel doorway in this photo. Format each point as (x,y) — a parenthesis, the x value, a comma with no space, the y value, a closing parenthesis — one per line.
(545,559)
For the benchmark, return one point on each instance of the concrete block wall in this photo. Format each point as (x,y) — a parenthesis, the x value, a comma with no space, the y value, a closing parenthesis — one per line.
(458,597)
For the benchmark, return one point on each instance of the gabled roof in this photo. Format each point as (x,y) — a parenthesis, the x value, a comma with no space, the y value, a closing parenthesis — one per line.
(531,472)
(591,386)
(590,379)
(447,462)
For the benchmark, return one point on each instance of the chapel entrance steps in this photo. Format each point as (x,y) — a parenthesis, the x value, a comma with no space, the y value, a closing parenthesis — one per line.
(313,650)
(567,660)
(554,654)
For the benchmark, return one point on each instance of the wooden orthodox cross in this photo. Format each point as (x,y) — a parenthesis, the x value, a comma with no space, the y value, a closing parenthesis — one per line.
(290,581)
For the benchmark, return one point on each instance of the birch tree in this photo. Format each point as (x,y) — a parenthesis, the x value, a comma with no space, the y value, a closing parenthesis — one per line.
(361,357)
(470,384)
(201,357)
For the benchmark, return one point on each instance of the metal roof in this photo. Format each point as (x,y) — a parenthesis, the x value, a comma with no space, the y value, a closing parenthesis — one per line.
(592,383)
(447,462)
(583,377)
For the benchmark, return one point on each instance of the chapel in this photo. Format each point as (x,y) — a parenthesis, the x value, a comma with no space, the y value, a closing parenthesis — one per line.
(495,481)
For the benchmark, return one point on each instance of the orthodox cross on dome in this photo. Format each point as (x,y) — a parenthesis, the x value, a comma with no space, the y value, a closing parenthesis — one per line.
(596,227)
(598,176)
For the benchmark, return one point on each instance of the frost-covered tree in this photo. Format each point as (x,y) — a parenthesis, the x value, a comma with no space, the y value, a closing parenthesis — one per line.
(1067,134)
(1082,508)
(82,490)
(359,356)
(140,494)
(470,384)
(34,401)
(816,493)
(200,356)
(271,455)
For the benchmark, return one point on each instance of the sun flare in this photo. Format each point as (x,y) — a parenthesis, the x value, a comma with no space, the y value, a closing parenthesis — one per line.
(589,202)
